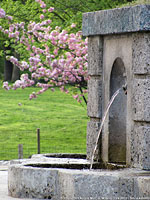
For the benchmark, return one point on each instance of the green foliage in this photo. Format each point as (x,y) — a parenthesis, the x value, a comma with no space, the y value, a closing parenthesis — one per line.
(66,11)
(136,2)
(21,11)
(1,61)
(70,11)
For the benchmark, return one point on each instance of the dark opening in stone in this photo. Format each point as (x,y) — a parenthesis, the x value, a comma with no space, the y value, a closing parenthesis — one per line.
(78,166)
(63,166)
(66,155)
(117,114)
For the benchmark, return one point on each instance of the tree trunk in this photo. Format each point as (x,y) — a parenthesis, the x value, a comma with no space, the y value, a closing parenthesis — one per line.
(8,68)
(15,73)
(16,70)
(11,72)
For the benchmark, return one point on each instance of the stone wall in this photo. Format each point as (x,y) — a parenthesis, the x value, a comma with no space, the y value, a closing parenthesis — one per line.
(124,34)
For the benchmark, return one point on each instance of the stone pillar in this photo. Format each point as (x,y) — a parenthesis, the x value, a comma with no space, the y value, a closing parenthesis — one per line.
(140,138)
(94,106)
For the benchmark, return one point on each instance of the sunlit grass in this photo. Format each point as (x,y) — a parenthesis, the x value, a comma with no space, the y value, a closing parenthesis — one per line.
(62,122)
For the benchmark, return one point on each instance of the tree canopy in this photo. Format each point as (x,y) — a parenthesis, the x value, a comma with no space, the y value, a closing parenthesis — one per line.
(46,38)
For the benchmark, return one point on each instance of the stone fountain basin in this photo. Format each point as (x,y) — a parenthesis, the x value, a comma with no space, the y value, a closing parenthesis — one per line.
(70,178)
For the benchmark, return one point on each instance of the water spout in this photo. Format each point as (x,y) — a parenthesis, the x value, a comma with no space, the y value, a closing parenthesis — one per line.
(124,87)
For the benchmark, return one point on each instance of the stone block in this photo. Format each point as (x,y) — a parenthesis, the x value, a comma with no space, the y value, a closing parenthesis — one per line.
(85,28)
(141,100)
(143,184)
(94,106)
(126,187)
(94,186)
(92,133)
(119,20)
(31,183)
(95,50)
(141,53)
(66,186)
(140,147)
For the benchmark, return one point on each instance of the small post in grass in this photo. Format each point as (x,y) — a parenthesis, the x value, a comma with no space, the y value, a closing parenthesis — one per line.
(20,151)
(38,140)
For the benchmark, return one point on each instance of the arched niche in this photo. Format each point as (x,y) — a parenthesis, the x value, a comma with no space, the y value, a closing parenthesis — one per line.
(117,114)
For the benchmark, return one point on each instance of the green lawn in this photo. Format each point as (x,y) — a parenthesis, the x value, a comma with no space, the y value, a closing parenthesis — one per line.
(62,122)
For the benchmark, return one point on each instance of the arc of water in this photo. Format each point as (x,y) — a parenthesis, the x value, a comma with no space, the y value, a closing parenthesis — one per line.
(102,123)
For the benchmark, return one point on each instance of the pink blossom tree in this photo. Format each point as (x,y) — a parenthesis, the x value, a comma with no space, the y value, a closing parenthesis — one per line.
(51,57)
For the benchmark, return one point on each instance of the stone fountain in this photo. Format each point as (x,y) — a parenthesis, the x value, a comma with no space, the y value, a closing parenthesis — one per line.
(119,53)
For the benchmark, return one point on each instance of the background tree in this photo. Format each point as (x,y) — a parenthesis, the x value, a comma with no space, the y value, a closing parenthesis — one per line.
(21,11)
(66,12)
(34,45)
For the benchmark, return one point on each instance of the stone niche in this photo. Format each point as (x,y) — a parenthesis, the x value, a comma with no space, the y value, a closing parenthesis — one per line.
(118,54)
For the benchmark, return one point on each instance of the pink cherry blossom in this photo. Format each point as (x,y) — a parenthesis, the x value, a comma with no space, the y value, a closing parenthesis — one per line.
(73,25)
(2,13)
(42,16)
(10,18)
(6,86)
(32,96)
(51,9)
(43,5)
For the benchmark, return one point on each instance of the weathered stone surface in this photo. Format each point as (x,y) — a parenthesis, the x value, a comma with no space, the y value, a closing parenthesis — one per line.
(66,186)
(141,99)
(32,183)
(126,187)
(141,53)
(58,183)
(143,185)
(96,186)
(117,114)
(95,50)
(117,64)
(140,147)
(92,133)
(120,20)
(94,107)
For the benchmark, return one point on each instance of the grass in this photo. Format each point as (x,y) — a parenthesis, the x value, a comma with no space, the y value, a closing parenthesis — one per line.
(62,122)
(135,2)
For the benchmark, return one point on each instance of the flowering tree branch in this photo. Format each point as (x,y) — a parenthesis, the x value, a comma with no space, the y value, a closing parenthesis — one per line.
(52,57)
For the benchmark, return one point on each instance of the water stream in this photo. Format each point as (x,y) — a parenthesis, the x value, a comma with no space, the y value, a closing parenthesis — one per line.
(103,120)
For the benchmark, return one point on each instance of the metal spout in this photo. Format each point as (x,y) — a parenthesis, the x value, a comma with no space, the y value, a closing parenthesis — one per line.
(124,87)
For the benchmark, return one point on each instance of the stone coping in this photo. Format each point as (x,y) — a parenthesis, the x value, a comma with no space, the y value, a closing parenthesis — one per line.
(68,184)
(116,21)
(52,178)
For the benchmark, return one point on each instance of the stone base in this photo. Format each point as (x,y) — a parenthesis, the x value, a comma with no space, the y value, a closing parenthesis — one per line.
(36,180)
